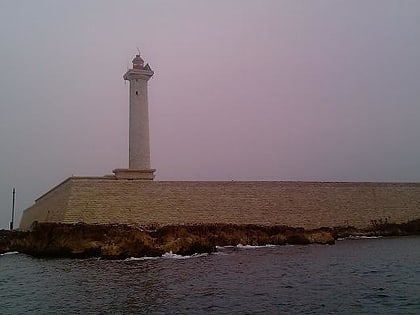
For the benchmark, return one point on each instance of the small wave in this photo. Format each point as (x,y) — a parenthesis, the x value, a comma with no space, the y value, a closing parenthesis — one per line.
(142,258)
(170,255)
(227,246)
(241,246)
(9,253)
(356,237)
(254,246)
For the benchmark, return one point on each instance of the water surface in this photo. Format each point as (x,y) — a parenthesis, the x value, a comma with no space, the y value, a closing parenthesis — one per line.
(366,276)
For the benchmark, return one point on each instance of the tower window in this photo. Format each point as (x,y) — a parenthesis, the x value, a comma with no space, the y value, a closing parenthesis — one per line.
(137,93)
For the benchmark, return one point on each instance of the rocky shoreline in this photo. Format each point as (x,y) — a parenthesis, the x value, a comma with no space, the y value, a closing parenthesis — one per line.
(56,240)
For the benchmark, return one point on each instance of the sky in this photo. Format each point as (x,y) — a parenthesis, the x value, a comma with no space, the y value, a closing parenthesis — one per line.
(325,90)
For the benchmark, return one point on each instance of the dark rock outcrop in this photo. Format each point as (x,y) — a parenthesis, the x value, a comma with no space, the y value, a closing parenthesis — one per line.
(123,241)
(379,228)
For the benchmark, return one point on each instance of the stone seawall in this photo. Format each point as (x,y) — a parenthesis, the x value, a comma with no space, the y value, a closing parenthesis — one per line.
(305,204)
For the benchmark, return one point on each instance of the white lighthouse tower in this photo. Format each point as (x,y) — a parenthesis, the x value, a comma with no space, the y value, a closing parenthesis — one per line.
(139,143)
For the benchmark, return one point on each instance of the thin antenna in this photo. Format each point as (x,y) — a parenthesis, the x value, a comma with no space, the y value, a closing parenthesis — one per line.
(13,208)
(138,50)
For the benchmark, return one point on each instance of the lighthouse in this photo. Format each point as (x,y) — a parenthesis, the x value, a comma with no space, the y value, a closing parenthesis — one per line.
(139,142)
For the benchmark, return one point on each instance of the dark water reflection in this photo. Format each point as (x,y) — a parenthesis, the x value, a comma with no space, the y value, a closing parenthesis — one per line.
(370,276)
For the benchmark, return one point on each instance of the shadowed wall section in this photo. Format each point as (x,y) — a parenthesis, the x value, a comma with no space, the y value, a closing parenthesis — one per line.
(105,200)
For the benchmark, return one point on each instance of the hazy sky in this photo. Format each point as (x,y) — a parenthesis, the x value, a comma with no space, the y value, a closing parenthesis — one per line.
(323,90)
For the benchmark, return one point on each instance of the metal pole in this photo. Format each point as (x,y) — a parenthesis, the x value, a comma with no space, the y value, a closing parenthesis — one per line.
(13,209)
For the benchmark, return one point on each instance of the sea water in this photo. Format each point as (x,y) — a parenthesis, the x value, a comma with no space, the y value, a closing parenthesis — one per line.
(363,276)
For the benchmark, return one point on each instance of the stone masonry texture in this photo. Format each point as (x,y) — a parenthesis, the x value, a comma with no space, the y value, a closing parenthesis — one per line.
(103,200)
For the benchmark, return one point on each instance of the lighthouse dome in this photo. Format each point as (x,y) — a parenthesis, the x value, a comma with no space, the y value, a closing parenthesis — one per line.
(138,62)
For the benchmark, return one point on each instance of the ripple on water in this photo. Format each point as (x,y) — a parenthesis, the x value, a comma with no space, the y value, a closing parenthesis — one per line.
(370,276)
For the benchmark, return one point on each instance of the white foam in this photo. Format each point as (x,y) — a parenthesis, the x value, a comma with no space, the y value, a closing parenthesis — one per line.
(170,255)
(142,258)
(353,237)
(254,246)
(227,246)
(9,253)
(241,246)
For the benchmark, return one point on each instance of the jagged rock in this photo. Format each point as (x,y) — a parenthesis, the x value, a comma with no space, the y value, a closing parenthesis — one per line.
(122,241)
(412,227)
(321,236)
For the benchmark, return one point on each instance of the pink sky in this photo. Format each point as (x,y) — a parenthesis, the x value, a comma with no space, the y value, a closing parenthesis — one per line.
(243,90)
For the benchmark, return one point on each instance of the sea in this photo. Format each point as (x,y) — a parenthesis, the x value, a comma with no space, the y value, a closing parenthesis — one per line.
(354,276)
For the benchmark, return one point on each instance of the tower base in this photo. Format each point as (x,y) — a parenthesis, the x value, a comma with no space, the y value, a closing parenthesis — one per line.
(134,174)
